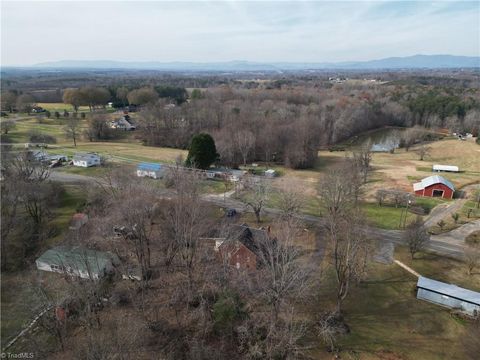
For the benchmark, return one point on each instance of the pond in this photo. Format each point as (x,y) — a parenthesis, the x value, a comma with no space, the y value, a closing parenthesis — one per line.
(383,140)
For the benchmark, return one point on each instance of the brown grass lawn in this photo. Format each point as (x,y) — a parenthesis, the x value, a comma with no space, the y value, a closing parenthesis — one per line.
(388,322)
(402,169)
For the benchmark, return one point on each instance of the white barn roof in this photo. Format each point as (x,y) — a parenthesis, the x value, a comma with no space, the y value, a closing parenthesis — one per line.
(449,290)
(445,168)
(431,180)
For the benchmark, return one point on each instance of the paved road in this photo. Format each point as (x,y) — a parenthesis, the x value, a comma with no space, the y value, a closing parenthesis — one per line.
(450,244)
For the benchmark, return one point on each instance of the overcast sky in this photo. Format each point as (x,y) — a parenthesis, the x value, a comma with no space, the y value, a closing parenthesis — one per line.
(300,31)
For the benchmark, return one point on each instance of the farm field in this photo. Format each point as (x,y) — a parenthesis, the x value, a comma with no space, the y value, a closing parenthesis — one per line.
(389,171)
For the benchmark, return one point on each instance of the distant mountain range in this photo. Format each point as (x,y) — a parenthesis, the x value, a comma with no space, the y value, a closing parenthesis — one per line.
(409,62)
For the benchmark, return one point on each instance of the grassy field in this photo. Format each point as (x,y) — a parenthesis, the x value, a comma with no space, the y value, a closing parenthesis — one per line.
(401,169)
(60,107)
(388,322)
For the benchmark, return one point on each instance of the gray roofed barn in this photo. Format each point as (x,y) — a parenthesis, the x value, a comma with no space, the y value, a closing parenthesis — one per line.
(431,180)
(77,261)
(448,295)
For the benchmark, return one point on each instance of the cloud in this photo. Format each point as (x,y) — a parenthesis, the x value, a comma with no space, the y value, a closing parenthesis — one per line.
(33,32)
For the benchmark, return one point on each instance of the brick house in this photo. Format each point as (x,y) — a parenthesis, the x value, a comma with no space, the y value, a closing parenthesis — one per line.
(240,249)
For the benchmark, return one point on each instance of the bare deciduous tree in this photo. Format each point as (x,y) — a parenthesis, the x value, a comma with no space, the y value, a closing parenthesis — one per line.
(284,275)
(337,194)
(416,236)
(349,250)
(291,199)
(258,192)
(72,129)
(380,196)
(7,125)
(244,142)
(363,157)
(472,258)
(423,151)
(184,222)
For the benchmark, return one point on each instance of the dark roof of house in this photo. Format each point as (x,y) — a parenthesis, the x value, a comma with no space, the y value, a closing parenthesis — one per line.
(250,237)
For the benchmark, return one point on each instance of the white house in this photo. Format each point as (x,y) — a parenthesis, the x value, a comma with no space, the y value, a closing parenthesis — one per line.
(152,170)
(86,160)
(124,123)
(77,261)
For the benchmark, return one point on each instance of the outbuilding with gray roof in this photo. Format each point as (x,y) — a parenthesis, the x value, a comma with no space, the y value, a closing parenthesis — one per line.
(448,295)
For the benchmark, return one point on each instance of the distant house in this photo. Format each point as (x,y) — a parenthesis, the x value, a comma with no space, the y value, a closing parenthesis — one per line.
(152,170)
(37,155)
(451,296)
(86,160)
(241,249)
(37,109)
(270,173)
(434,186)
(225,174)
(78,220)
(448,168)
(124,123)
(77,261)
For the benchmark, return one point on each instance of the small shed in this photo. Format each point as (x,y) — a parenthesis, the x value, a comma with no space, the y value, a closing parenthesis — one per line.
(270,173)
(152,170)
(86,160)
(448,295)
(78,220)
(434,186)
(77,261)
(447,168)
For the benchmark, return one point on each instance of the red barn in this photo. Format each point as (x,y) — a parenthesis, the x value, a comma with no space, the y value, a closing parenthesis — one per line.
(434,186)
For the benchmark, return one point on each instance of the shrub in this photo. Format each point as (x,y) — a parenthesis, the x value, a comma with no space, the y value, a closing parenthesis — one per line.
(38,137)
(227,311)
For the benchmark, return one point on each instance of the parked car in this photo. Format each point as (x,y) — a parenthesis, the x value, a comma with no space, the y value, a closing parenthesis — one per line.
(230,212)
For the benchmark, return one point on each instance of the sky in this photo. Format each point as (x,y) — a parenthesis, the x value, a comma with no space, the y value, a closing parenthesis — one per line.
(204,31)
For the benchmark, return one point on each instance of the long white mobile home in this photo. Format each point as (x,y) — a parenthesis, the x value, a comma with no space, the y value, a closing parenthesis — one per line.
(448,168)
(86,160)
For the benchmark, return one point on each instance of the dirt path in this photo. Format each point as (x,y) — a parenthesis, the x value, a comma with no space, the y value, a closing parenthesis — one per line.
(458,235)
(442,211)
(445,210)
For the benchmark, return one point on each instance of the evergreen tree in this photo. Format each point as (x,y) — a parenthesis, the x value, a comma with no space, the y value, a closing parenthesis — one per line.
(202,151)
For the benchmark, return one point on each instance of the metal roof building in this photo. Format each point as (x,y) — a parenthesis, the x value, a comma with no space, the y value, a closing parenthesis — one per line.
(449,168)
(77,261)
(448,295)
(152,170)
(435,186)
